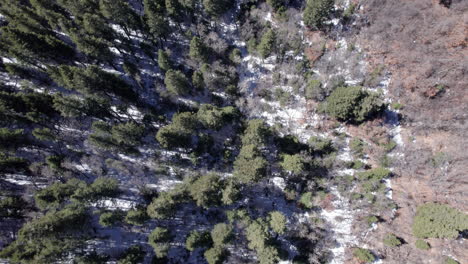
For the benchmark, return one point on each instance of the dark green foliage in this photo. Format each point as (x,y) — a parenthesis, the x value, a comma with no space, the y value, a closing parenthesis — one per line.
(372,219)
(267,44)
(164,61)
(290,144)
(316,12)
(72,106)
(121,13)
(179,133)
(221,234)
(217,8)
(256,133)
(44,134)
(321,145)
(163,206)
(275,4)
(434,220)
(92,80)
(155,18)
(177,83)
(421,244)
(357,146)
(198,239)
(198,51)
(214,117)
(206,190)
(132,255)
(101,187)
(268,255)
(216,255)
(277,222)
(92,258)
(129,133)
(56,194)
(12,164)
(230,193)
(375,174)
(257,234)
(137,216)
(29,46)
(293,163)
(123,136)
(159,239)
(30,106)
(170,137)
(198,80)
(353,104)
(250,165)
(55,162)
(111,218)
(306,200)
(11,138)
(363,255)
(49,238)
(391,240)
(314,91)
(12,206)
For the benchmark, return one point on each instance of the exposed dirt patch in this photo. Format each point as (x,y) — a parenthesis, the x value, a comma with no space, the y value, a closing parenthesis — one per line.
(423,44)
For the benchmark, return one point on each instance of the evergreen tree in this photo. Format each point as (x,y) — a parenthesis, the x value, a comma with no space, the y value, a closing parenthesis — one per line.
(198,239)
(162,207)
(250,165)
(293,163)
(217,8)
(198,80)
(316,12)
(216,255)
(121,13)
(155,17)
(275,4)
(91,80)
(230,193)
(137,216)
(267,44)
(164,61)
(128,133)
(177,83)
(206,190)
(198,50)
(277,222)
(159,239)
(221,234)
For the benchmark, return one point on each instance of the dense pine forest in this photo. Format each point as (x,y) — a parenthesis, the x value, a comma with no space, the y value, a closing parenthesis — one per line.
(201,131)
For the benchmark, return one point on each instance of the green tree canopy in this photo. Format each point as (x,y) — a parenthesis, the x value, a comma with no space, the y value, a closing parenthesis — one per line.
(316,12)
(267,44)
(277,222)
(217,8)
(177,83)
(197,239)
(434,220)
(206,190)
(353,104)
(198,50)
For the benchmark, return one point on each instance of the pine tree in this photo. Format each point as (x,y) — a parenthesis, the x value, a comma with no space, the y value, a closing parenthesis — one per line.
(164,62)
(121,13)
(197,50)
(267,44)
(206,190)
(177,83)
(217,8)
(316,12)
(155,17)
